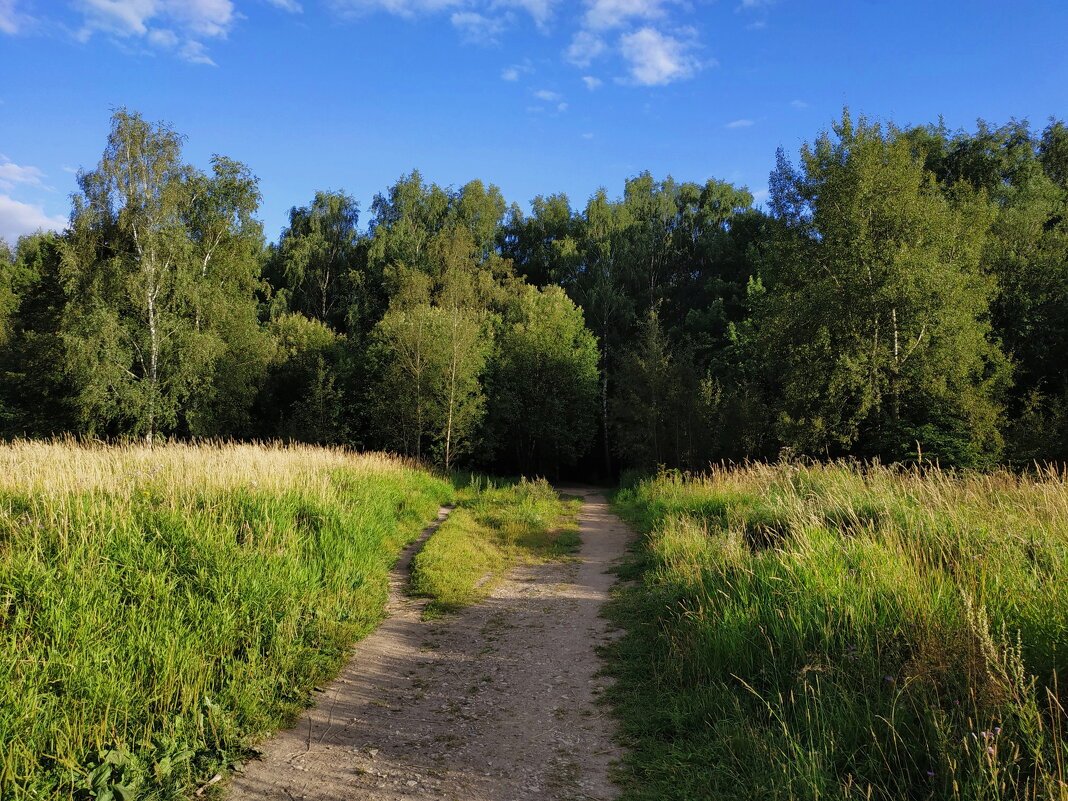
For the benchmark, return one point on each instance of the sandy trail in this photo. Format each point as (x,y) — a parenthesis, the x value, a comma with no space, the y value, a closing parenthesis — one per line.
(496,703)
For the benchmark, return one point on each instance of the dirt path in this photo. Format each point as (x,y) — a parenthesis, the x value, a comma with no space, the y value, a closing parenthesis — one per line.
(497,703)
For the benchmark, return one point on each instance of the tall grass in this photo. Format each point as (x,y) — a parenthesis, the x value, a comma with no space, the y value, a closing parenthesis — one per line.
(842,632)
(496,525)
(161,610)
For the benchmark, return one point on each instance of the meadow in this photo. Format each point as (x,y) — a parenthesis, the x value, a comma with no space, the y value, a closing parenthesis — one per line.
(845,631)
(163,610)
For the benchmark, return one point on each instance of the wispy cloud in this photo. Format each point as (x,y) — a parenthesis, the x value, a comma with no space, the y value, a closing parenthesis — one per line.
(541,11)
(648,36)
(656,58)
(584,48)
(743,123)
(402,8)
(12,21)
(547,96)
(799,104)
(476,28)
(179,27)
(514,72)
(607,14)
(292,6)
(18,218)
(12,174)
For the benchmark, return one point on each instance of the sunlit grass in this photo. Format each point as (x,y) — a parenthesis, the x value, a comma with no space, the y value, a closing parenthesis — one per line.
(161,610)
(496,526)
(838,632)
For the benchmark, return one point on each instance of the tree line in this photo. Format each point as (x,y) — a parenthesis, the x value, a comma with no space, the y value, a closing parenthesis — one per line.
(904,295)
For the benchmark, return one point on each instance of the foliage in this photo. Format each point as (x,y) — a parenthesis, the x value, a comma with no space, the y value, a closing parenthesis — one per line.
(844,632)
(148,284)
(545,382)
(903,294)
(876,303)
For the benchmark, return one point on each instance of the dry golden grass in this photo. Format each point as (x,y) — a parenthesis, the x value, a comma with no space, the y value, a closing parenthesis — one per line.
(69,466)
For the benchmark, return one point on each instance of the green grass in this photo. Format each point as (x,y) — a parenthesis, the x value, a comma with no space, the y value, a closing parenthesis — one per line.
(836,632)
(161,611)
(495,526)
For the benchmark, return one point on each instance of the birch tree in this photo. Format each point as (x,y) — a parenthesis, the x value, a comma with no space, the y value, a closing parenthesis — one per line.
(150,290)
(876,312)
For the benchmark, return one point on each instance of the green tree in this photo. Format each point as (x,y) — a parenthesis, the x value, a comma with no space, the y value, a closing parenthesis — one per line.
(544,405)
(876,307)
(300,398)
(35,388)
(149,271)
(432,355)
(317,263)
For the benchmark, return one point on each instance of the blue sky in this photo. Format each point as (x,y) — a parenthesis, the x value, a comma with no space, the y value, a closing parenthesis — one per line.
(536,96)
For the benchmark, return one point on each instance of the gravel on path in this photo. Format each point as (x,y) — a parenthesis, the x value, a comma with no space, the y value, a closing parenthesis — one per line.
(495,703)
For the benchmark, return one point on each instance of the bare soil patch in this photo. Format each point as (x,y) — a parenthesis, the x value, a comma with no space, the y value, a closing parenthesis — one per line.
(497,702)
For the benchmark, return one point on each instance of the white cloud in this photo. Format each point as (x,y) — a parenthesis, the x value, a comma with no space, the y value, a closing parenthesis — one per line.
(585,47)
(605,14)
(121,17)
(292,6)
(163,38)
(474,28)
(799,104)
(547,96)
(515,71)
(17,218)
(587,136)
(760,196)
(176,26)
(11,21)
(402,8)
(591,82)
(541,11)
(739,124)
(561,107)
(202,17)
(195,53)
(656,58)
(11,174)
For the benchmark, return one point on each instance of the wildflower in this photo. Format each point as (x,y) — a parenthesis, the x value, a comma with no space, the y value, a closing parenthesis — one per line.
(997,730)
(888,678)
(930,773)
(989,749)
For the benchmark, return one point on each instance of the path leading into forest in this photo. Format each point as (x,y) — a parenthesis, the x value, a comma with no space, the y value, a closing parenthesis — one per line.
(496,703)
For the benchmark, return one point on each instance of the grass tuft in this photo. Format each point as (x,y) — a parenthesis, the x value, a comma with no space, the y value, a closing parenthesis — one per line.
(496,526)
(839,632)
(162,610)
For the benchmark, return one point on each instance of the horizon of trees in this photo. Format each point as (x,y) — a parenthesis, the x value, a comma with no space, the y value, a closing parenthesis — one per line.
(904,296)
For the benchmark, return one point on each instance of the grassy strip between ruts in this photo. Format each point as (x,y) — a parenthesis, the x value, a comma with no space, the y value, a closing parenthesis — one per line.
(496,526)
(840,632)
(162,610)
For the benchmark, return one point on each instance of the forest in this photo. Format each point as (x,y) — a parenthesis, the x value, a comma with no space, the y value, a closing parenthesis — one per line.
(902,296)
